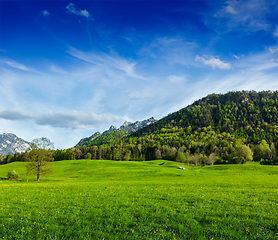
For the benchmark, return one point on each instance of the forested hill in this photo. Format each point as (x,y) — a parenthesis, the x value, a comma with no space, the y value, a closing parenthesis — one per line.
(231,112)
(224,128)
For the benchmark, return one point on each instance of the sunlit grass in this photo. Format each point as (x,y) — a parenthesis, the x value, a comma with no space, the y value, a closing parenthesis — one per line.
(140,200)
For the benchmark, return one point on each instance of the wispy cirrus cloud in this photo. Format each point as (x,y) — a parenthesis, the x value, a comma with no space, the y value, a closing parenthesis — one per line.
(70,119)
(275,33)
(230,9)
(72,9)
(248,15)
(138,95)
(112,61)
(214,62)
(176,79)
(17,65)
(175,50)
(273,50)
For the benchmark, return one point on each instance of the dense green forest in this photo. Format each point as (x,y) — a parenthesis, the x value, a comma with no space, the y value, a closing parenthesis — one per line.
(221,128)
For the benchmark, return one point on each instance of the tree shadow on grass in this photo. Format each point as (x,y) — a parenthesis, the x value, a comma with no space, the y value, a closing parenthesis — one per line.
(4,179)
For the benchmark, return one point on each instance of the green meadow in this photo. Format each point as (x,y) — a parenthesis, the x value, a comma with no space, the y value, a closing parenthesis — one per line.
(88,199)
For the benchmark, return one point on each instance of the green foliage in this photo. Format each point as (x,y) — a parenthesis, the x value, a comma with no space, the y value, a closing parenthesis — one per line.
(107,137)
(41,143)
(40,158)
(243,154)
(88,156)
(211,159)
(181,158)
(39,163)
(9,158)
(243,113)
(12,175)
(273,161)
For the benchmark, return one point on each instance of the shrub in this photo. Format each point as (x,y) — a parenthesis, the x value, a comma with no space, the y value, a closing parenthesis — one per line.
(269,161)
(12,174)
(88,156)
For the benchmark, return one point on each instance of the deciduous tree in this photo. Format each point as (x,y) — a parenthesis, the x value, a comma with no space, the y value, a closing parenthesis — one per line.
(40,157)
(244,153)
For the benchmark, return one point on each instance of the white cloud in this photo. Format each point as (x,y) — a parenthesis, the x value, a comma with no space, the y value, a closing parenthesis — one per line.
(235,56)
(16,115)
(272,50)
(275,34)
(247,15)
(45,13)
(70,119)
(230,9)
(176,79)
(214,62)
(71,8)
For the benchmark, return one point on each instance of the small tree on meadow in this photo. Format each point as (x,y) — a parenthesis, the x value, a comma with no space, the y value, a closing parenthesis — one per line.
(181,157)
(157,154)
(196,159)
(211,159)
(243,153)
(188,157)
(40,158)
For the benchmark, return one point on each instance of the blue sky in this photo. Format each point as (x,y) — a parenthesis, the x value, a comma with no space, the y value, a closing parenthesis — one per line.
(71,68)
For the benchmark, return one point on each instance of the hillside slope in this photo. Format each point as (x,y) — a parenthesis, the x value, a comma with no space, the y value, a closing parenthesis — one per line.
(105,138)
(227,128)
(232,112)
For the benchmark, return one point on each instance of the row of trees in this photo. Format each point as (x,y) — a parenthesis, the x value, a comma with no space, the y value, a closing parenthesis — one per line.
(229,150)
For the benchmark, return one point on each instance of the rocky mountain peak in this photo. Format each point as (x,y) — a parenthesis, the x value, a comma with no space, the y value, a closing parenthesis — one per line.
(127,127)
(88,139)
(111,129)
(11,144)
(125,124)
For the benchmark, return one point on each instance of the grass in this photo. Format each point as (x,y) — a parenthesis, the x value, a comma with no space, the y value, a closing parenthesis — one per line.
(140,200)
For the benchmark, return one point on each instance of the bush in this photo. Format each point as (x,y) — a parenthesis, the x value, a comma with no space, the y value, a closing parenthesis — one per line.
(269,161)
(88,156)
(12,174)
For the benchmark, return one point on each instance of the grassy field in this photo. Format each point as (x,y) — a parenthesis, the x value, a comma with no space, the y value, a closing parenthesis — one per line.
(140,200)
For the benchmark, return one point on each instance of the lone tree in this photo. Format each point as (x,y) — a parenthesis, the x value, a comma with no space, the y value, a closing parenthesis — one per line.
(40,157)
(211,159)
(243,154)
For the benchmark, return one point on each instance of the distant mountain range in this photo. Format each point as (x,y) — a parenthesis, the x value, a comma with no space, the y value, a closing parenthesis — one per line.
(124,130)
(11,144)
